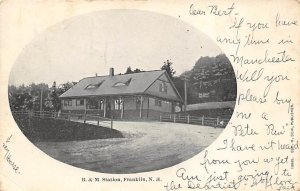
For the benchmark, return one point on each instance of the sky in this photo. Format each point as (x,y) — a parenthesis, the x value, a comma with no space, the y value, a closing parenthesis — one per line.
(88,44)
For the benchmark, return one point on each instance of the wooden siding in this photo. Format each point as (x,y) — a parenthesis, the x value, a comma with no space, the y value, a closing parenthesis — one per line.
(166,106)
(154,89)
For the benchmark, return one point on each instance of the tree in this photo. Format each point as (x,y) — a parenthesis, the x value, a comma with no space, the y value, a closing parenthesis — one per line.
(53,102)
(20,101)
(169,68)
(38,92)
(27,97)
(128,70)
(137,70)
(62,88)
(211,79)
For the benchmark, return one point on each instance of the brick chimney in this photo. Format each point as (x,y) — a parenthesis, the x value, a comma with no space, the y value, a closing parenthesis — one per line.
(111,72)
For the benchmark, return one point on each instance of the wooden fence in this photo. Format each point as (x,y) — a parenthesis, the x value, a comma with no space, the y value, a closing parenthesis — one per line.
(204,121)
(108,122)
(85,118)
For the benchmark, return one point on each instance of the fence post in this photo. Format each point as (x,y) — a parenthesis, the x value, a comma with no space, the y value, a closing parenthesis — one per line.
(84,120)
(160,118)
(170,117)
(202,120)
(188,119)
(218,121)
(69,117)
(174,118)
(111,122)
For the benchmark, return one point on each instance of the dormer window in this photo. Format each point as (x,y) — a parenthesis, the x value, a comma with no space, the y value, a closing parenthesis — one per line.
(94,86)
(121,84)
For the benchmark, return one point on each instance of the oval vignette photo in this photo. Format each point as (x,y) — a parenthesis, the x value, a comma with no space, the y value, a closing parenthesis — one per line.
(122,91)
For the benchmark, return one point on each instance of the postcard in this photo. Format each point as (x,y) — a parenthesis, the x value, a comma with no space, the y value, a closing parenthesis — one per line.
(149,95)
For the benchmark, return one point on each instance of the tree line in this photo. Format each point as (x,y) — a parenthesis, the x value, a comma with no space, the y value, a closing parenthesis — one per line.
(31,97)
(211,79)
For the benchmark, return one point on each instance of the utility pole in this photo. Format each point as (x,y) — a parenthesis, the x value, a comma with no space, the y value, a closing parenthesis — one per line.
(185,79)
(185,95)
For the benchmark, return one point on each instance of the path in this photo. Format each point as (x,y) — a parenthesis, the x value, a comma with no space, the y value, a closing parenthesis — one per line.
(147,146)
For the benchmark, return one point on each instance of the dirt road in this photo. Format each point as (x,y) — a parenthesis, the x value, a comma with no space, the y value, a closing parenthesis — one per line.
(147,146)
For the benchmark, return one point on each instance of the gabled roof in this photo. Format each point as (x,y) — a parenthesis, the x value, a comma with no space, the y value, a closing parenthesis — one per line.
(125,84)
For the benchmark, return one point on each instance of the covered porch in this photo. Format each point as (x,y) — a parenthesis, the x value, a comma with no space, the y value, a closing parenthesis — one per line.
(131,107)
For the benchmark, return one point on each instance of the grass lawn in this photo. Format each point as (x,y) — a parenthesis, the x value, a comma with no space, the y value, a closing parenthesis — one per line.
(45,129)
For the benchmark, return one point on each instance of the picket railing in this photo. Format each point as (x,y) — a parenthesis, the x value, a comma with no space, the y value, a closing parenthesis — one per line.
(198,120)
(85,118)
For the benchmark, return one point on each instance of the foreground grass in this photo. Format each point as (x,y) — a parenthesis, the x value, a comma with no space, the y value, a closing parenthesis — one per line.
(57,130)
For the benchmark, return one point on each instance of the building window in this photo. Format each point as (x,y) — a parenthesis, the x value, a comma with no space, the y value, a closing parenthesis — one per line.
(79,102)
(68,102)
(94,86)
(118,104)
(101,104)
(121,84)
(138,102)
(91,103)
(163,87)
(157,102)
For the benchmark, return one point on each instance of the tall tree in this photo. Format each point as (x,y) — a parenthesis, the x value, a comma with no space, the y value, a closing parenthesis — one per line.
(53,101)
(128,70)
(169,68)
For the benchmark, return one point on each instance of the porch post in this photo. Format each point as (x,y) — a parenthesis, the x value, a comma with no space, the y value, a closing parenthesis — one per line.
(141,107)
(122,109)
(85,110)
(104,107)
(85,106)
(99,104)
(148,107)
